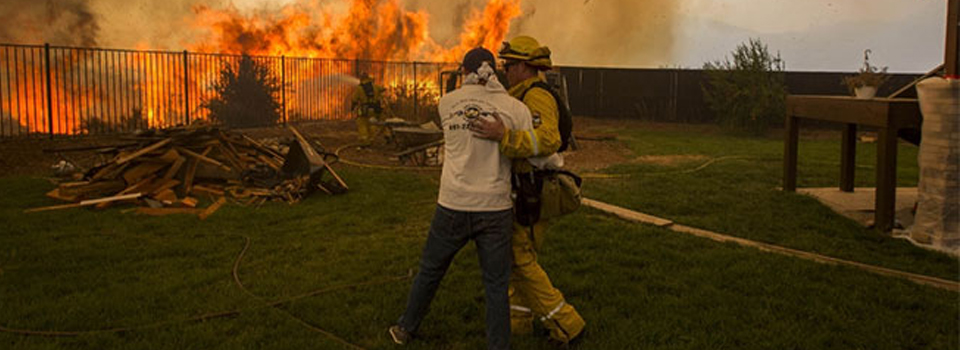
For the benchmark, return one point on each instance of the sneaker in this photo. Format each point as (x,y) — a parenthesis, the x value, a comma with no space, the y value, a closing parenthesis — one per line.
(399,335)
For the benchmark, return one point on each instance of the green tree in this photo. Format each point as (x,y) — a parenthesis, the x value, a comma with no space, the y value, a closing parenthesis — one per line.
(747,93)
(246,95)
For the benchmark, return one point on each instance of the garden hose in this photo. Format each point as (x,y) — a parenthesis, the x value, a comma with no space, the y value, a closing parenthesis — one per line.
(377,166)
(236,279)
(673,172)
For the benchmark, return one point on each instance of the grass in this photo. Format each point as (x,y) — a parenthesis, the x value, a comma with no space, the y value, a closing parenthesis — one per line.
(739,195)
(637,286)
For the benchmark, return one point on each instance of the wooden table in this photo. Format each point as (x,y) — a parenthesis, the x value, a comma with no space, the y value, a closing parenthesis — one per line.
(886,114)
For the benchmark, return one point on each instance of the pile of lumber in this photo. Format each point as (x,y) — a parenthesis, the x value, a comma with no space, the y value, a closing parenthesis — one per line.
(173,171)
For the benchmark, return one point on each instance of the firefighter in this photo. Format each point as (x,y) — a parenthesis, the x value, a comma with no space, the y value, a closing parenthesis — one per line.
(367,104)
(532,295)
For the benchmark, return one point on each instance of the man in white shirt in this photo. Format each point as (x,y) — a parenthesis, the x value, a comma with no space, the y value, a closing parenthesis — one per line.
(474,201)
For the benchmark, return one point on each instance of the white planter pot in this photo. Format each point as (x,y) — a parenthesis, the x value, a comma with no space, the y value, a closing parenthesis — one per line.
(865,92)
(938,209)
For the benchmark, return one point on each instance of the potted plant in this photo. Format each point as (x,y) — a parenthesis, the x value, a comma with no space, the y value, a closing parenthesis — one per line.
(868,80)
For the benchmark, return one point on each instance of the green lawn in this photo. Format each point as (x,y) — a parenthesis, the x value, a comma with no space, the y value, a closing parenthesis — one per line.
(739,194)
(637,286)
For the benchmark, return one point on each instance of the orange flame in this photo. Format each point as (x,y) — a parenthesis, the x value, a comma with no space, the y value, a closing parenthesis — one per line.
(367,30)
(378,30)
(485,29)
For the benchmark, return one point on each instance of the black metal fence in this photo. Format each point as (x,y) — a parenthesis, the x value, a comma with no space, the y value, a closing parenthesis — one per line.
(673,95)
(47,90)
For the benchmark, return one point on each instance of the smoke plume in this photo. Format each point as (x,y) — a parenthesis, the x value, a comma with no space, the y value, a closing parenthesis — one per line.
(60,22)
(590,33)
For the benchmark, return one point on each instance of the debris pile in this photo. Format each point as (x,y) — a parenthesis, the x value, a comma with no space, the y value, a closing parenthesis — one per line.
(166,171)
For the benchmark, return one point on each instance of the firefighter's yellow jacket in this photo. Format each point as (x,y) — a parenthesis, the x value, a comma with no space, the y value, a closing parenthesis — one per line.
(531,292)
(544,139)
(368,105)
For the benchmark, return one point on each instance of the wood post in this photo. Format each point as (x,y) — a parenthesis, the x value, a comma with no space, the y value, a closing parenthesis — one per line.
(848,157)
(951,65)
(886,179)
(790,142)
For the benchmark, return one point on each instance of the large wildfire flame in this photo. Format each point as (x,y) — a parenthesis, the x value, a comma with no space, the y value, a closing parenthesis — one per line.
(366,30)
(370,30)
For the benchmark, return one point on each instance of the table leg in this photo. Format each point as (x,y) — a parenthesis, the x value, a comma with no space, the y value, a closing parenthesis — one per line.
(790,154)
(886,179)
(848,157)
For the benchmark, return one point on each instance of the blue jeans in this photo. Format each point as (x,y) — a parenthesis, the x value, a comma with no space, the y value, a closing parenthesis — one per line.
(450,230)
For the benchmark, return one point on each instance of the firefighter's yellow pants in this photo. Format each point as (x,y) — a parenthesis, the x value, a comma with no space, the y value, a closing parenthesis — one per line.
(368,132)
(531,293)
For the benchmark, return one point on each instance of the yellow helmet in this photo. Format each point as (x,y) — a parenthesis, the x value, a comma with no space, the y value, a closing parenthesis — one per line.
(527,49)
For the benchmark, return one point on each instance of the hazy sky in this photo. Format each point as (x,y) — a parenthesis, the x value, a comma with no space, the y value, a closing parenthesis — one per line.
(906,35)
(810,35)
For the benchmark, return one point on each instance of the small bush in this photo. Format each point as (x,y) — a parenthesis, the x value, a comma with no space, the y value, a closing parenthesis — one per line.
(95,125)
(246,96)
(748,93)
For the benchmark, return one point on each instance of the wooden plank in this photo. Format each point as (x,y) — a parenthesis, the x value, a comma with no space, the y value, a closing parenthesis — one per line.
(165,184)
(767,247)
(229,145)
(55,194)
(85,203)
(167,197)
(188,178)
(312,155)
(116,172)
(204,158)
(135,188)
(143,151)
(168,211)
(191,171)
(174,168)
(140,171)
(99,187)
(334,173)
(74,184)
(627,213)
(87,148)
(169,156)
(212,208)
(841,110)
(270,162)
(189,202)
(230,157)
(103,172)
(198,189)
(261,147)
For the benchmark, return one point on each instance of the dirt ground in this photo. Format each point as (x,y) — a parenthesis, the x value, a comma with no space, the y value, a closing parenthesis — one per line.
(599,146)
(37,156)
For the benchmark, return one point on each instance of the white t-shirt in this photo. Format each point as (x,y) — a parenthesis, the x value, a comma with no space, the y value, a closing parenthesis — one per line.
(476,177)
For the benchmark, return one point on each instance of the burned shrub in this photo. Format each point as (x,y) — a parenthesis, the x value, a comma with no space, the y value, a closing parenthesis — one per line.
(246,95)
